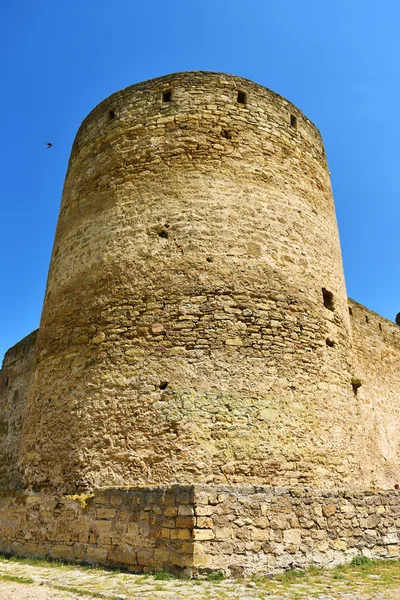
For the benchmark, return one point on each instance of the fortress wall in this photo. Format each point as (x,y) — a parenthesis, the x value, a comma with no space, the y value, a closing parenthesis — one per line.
(377,348)
(14,376)
(191,529)
(116,527)
(184,335)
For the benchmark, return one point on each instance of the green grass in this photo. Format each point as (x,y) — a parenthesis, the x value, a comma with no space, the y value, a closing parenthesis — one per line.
(361,561)
(371,576)
(163,576)
(76,590)
(16,579)
(216,577)
(292,575)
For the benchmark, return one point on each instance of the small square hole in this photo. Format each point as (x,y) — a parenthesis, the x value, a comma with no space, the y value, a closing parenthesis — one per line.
(328,299)
(293,121)
(242,97)
(167,96)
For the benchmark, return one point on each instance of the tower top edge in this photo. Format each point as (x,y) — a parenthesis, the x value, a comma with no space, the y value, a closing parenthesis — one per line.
(197,78)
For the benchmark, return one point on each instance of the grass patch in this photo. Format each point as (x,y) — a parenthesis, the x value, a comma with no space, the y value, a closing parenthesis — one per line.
(313,570)
(216,577)
(76,590)
(291,575)
(163,576)
(55,563)
(16,579)
(361,561)
(372,577)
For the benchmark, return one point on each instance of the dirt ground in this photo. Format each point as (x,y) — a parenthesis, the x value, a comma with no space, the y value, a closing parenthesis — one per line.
(40,580)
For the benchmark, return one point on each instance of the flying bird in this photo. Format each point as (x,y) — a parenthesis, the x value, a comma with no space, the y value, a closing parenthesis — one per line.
(49,145)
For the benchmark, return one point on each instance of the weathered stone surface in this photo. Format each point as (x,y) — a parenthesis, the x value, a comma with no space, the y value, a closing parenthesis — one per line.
(196,325)
(183,334)
(196,329)
(14,378)
(248,530)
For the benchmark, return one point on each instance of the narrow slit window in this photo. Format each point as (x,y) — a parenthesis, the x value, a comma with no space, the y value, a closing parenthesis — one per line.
(167,96)
(328,299)
(350,311)
(111,114)
(293,121)
(366,319)
(242,97)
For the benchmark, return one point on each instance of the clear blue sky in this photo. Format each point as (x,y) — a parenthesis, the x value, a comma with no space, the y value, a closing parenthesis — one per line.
(338,61)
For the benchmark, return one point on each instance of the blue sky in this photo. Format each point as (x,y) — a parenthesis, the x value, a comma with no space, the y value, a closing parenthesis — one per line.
(337,61)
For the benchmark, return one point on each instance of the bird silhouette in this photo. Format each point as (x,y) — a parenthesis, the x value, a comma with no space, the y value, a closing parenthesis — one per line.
(49,145)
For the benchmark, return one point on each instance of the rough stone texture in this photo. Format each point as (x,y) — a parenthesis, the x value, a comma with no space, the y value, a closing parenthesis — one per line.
(377,358)
(183,334)
(254,529)
(137,529)
(236,529)
(14,376)
(196,330)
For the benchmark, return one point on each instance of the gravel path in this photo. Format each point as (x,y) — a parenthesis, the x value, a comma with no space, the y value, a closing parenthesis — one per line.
(46,581)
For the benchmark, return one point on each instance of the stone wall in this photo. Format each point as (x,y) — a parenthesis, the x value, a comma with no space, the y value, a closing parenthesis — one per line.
(14,377)
(200,528)
(376,344)
(258,529)
(111,527)
(185,335)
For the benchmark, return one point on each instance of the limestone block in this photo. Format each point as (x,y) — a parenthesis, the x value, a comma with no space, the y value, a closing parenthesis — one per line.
(185,522)
(122,555)
(393,550)
(292,536)
(203,534)
(204,523)
(180,534)
(106,513)
(62,551)
(185,511)
(171,511)
(204,511)
(329,509)
(201,560)
(222,533)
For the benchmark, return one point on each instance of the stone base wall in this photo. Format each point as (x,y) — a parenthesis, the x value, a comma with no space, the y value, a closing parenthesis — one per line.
(192,529)
(15,373)
(138,528)
(259,529)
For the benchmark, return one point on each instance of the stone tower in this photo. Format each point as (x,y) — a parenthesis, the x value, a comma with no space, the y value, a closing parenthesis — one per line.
(195,326)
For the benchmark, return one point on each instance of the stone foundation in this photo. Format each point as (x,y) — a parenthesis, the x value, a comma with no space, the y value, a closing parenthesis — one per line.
(189,529)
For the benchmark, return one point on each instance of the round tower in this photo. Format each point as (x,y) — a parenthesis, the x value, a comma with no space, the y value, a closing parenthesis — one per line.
(195,325)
